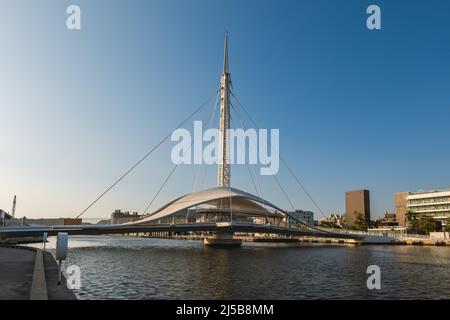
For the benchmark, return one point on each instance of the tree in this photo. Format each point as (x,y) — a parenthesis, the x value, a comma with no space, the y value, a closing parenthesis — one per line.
(361,222)
(376,223)
(411,220)
(447,226)
(426,224)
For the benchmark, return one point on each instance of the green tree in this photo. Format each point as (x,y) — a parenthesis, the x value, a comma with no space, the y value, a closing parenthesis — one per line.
(426,224)
(361,222)
(411,220)
(376,223)
(447,226)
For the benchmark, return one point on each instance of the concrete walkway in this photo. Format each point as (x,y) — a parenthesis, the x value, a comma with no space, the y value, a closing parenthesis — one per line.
(16,273)
(28,273)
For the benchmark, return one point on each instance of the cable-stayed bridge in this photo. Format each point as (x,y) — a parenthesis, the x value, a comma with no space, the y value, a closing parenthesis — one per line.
(217,212)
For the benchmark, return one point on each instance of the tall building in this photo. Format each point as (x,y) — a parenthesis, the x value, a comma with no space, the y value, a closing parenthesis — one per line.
(357,202)
(401,207)
(435,204)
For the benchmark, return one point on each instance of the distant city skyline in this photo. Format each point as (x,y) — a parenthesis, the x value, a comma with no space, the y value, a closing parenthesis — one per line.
(356,108)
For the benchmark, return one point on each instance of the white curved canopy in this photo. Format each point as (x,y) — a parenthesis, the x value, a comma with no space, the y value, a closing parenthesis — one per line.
(201,197)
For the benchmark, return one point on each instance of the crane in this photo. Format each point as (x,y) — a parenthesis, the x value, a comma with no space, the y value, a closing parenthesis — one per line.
(13,211)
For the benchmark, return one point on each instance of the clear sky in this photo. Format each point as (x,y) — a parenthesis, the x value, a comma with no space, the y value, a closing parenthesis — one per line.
(355,108)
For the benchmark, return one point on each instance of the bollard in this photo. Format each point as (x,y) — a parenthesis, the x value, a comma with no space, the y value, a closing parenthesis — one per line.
(44,239)
(61,251)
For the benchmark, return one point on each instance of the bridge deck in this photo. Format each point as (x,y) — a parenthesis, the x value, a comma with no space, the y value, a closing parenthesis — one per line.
(18,232)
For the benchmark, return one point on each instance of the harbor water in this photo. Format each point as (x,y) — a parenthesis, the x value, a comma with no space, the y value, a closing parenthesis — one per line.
(144,268)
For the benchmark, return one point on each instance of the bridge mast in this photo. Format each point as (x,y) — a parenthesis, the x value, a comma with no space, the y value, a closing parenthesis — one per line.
(224,172)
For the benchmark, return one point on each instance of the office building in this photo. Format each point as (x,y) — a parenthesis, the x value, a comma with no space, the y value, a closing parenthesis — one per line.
(401,207)
(357,203)
(306,217)
(435,204)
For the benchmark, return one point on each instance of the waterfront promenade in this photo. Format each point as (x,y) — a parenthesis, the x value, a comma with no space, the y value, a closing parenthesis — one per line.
(30,274)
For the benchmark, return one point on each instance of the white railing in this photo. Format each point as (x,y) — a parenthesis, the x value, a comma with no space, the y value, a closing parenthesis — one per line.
(414,236)
(392,233)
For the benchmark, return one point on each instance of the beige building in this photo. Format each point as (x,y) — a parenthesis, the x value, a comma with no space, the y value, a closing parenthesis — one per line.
(435,204)
(357,202)
(389,220)
(119,217)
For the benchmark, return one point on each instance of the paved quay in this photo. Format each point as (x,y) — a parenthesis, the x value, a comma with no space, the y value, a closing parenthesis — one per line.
(30,274)
(16,273)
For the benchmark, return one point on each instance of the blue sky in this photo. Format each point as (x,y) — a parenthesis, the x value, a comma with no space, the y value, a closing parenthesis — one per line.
(355,108)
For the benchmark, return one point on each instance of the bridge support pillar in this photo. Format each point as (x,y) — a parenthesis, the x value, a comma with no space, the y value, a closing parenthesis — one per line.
(222,239)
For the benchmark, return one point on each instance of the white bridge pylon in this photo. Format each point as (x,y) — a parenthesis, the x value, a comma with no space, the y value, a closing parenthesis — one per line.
(222,203)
